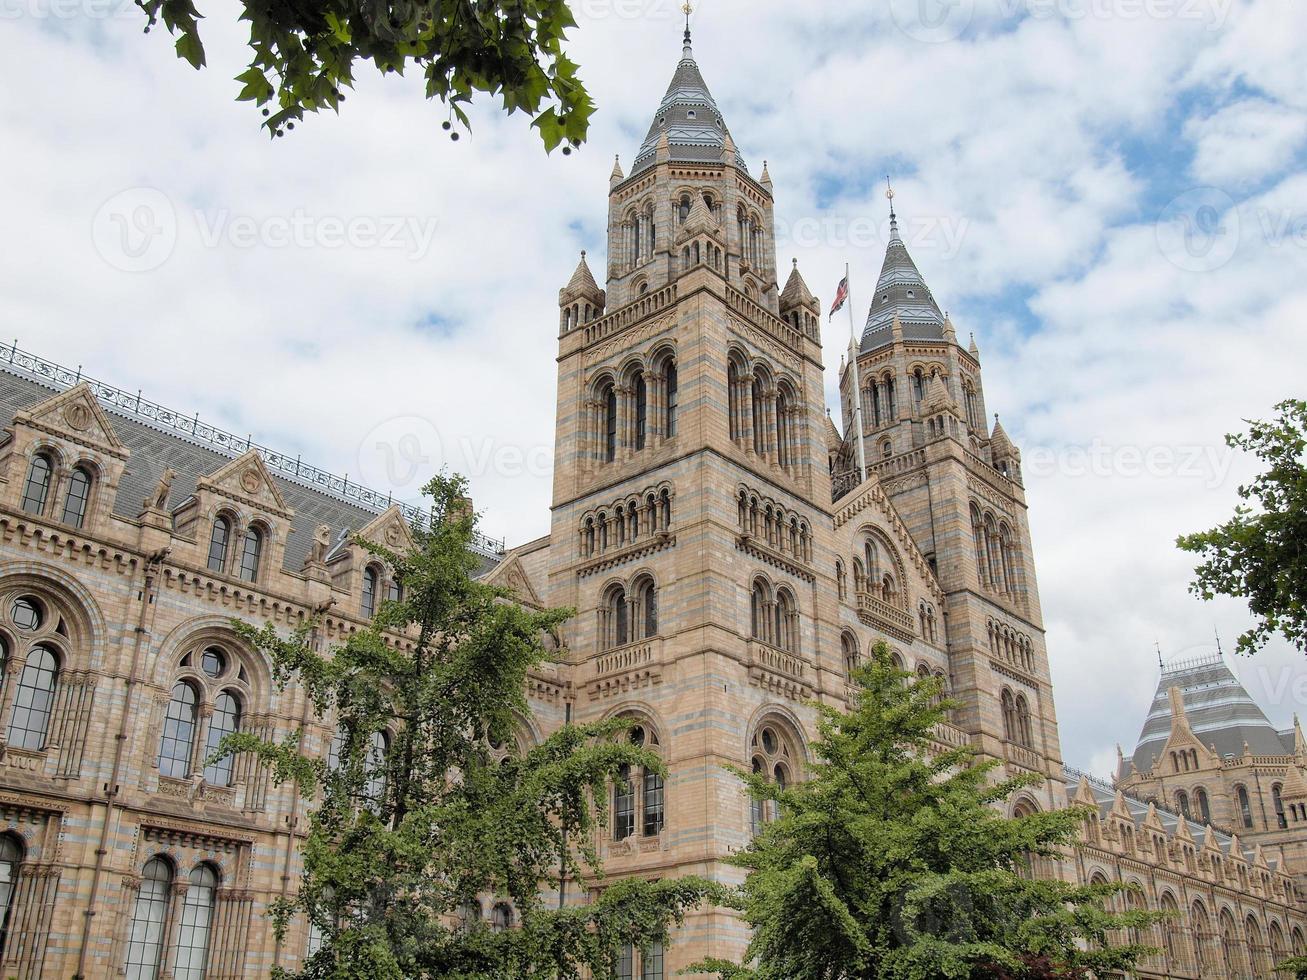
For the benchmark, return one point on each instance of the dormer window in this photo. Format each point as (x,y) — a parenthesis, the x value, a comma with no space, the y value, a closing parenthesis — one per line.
(37,488)
(218,540)
(78,496)
(689,114)
(911,294)
(251,552)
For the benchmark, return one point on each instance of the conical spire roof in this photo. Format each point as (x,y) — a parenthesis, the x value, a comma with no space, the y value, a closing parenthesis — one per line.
(902,293)
(796,292)
(582,282)
(999,444)
(1220,712)
(689,118)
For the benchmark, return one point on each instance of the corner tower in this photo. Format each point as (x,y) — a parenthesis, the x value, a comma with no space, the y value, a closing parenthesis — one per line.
(691,501)
(958,488)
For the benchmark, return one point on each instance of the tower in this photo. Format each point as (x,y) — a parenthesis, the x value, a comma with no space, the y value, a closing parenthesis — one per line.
(957,486)
(691,500)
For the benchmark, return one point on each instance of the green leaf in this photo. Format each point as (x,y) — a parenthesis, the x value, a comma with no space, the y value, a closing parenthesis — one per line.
(189,47)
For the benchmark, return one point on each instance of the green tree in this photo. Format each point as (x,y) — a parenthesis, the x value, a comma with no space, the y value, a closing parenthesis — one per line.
(1260,554)
(405,840)
(304,55)
(890,861)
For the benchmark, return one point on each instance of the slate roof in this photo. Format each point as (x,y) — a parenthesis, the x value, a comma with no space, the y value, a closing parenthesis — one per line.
(901,291)
(1105,797)
(153,449)
(689,116)
(1220,711)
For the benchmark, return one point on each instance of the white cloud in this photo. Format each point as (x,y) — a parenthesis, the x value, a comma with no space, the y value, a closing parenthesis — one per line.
(1031,157)
(1245,140)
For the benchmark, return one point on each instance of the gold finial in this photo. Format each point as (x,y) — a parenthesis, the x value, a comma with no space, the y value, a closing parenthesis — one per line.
(889,193)
(687,9)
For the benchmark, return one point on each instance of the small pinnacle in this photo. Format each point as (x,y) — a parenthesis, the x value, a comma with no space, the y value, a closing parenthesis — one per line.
(796,262)
(582,253)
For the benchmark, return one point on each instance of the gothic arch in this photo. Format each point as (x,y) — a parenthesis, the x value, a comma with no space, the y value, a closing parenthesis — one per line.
(213,630)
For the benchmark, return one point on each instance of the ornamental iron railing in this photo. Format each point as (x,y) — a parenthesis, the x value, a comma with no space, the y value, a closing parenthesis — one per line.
(190,427)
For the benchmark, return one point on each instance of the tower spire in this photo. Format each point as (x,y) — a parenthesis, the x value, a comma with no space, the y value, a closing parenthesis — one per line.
(687,9)
(893,218)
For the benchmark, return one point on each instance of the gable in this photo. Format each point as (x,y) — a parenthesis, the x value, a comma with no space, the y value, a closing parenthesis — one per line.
(511,574)
(247,479)
(872,505)
(75,415)
(389,529)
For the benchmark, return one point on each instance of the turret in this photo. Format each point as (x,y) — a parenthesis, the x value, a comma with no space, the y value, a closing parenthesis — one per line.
(581,300)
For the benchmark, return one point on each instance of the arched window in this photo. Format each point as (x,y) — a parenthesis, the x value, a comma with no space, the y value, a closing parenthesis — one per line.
(368,601)
(145,934)
(673,397)
(646,602)
(683,208)
(77,497)
(639,799)
(759,392)
(1278,800)
(501,917)
(1182,803)
(394,590)
(11,858)
(218,539)
(624,967)
(641,410)
(849,649)
(1024,734)
(783,451)
(787,622)
(653,803)
(608,401)
(251,552)
(1009,716)
(226,720)
(759,608)
(177,743)
(1245,806)
(34,700)
(36,488)
(775,755)
(1204,809)
(374,788)
(615,625)
(192,950)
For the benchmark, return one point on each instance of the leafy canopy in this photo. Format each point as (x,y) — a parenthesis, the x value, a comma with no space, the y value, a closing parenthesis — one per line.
(405,840)
(1260,554)
(304,55)
(893,862)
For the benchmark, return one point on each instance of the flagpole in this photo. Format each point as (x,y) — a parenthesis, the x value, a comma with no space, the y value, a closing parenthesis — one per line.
(857,384)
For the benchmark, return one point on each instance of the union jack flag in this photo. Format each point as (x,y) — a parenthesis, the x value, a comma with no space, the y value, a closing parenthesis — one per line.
(841,296)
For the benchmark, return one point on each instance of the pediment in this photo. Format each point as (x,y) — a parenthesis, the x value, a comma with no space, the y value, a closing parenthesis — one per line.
(512,575)
(76,415)
(247,479)
(390,530)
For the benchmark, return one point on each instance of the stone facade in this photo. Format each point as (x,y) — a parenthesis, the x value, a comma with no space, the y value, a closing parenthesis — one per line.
(730,556)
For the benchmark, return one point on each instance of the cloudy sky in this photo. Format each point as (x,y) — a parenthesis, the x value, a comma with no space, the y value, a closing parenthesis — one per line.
(1110,194)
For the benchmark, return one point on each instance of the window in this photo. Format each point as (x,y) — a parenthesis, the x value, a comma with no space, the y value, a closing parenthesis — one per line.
(1182,803)
(653,804)
(641,410)
(213,662)
(178,740)
(145,937)
(11,857)
(608,397)
(1278,800)
(646,605)
(251,550)
(37,487)
(1245,807)
(1204,810)
(759,607)
(625,967)
(226,720)
(218,539)
(368,604)
(34,700)
(501,917)
(673,397)
(623,805)
(615,628)
(775,756)
(78,496)
(26,614)
(849,649)
(652,967)
(375,786)
(192,950)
